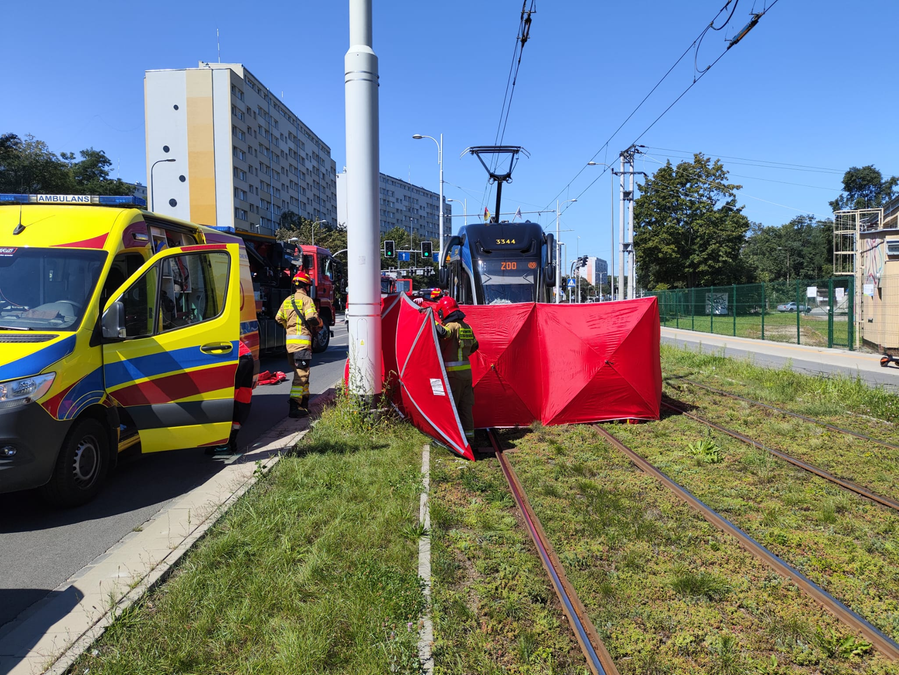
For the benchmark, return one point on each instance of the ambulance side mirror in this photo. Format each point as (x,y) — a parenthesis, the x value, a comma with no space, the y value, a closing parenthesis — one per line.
(549,275)
(114,321)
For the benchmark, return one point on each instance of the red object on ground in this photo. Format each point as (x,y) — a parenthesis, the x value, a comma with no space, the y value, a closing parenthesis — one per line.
(559,364)
(565,364)
(267,377)
(424,388)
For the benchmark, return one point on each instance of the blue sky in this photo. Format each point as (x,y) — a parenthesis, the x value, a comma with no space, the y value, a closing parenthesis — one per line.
(808,87)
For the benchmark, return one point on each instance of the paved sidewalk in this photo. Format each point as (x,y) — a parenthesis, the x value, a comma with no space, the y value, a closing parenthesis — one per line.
(53,633)
(808,360)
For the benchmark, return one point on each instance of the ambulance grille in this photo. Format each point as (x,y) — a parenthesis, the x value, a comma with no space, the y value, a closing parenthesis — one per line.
(26,338)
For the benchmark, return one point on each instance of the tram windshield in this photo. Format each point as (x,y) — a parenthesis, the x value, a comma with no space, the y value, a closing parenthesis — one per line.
(508,281)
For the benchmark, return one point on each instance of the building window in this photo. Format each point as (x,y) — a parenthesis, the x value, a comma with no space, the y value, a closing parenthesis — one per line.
(240,214)
(239,154)
(240,194)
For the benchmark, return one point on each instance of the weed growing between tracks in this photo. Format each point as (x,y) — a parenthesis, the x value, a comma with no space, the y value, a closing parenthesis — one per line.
(842,401)
(857,460)
(843,542)
(667,591)
(495,610)
(314,570)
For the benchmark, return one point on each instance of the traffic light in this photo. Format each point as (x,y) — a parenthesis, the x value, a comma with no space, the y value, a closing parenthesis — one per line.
(426,249)
(389,251)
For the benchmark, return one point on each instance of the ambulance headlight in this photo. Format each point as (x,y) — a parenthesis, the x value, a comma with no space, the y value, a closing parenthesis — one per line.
(24,391)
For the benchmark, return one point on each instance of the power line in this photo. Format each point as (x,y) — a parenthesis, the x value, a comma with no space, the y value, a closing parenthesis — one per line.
(524,34)
(767,180)
(696,78)
(755,162)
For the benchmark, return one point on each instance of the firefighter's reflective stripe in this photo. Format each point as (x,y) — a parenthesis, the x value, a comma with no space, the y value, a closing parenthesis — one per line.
(299,391)
(466,333)
(302,340)
(457,365)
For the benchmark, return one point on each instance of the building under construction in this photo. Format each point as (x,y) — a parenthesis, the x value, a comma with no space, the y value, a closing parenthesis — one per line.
(866,246)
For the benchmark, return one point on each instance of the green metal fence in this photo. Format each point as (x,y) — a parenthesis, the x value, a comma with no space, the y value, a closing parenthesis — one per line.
(817,313)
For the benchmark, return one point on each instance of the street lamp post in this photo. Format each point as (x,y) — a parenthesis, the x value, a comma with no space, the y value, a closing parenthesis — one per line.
(558,248)
(464,207)
(440,163)
(578,280)
(612,222)
(152,193)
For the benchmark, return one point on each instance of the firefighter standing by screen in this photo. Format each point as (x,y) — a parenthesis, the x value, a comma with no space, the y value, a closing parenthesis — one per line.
(300,318)
(457,343)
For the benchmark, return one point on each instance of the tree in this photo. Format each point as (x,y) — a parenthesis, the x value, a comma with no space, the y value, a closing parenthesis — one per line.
(689,230)
(326,235)
(91,175)
(30,167)
(800,249)
(865,188)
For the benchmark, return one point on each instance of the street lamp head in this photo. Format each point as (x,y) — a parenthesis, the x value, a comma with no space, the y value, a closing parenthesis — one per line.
(417,136)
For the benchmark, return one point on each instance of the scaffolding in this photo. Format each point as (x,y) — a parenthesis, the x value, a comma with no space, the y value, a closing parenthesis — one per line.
(866,247)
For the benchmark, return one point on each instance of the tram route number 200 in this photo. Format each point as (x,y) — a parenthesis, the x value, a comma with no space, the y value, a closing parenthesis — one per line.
(508,265)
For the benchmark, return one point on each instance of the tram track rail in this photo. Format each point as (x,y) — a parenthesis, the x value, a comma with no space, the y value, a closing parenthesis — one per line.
(805,466)
(598,658)
(880,641)
(789,413)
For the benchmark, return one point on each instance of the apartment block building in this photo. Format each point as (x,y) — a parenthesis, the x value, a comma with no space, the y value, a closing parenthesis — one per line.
(404,205)
(596,272)
(223,150)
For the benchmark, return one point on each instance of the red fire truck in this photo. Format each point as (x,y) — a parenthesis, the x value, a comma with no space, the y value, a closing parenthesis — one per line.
(273,264)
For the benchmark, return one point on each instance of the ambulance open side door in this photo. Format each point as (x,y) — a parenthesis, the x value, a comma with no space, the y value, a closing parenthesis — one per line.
(170,346)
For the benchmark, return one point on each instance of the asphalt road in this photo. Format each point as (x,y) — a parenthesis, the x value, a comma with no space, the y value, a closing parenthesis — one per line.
(41,547)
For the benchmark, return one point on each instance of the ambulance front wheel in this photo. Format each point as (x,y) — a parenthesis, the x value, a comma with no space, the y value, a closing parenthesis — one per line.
(80,466)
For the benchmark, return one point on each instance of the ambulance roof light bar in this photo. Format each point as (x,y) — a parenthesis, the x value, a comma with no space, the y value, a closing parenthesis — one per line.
(95,200)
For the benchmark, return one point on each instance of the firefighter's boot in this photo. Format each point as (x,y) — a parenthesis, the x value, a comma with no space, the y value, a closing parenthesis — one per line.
(296,411)
(304,403)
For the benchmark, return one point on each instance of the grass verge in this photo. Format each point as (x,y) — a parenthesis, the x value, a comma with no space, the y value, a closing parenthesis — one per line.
(843,401)
(314,570)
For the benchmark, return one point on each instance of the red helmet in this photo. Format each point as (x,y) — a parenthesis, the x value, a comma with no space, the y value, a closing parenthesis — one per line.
(445,307)
(301,278)
(435,293)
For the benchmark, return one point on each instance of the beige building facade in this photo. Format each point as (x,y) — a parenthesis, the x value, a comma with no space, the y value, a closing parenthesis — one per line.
(224,151)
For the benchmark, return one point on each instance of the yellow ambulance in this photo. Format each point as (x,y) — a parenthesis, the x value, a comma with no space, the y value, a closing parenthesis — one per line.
(119,329)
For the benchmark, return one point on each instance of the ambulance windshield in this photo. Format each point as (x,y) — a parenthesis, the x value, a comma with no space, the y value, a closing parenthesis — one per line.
(46,288)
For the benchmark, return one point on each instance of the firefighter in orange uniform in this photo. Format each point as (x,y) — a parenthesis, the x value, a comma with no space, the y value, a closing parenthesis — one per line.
(300,318)
(457,343)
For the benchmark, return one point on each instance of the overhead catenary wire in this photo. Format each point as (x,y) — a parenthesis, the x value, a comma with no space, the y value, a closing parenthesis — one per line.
(696,78)
(524,34)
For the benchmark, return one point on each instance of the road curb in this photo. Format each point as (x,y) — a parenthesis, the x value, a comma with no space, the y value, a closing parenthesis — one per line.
(141,560)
